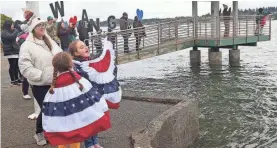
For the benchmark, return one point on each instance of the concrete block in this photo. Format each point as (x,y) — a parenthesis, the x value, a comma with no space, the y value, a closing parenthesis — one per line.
(195,57)
(177,127)
(215,58)
(234,57)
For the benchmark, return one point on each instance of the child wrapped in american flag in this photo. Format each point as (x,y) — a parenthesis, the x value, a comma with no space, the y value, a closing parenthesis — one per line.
(73,109)
(101,72)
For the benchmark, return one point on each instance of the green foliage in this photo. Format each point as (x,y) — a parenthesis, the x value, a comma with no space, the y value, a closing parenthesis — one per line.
(3,19)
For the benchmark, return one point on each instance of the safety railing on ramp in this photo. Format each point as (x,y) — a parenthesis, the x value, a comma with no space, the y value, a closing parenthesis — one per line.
(177,34)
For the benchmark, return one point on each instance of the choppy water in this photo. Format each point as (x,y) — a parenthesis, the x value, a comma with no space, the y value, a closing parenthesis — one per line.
(238,105)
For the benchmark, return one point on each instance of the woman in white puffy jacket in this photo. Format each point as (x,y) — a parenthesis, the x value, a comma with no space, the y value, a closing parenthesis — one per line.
(35,64)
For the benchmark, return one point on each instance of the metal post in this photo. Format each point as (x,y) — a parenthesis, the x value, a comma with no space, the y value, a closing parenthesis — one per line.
(169,30)
(234,31)
(246,28)
(176,33)
(218,33)
(205,30)
(116,48)
(269,27)
(143,41)
(259,23)
(188,27)
(239,26)
(200,28)
(159,33)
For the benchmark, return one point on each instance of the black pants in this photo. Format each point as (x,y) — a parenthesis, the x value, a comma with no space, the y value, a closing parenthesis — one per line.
(25,86)
(39,93)
(13,70)
(138,40)
(126,44)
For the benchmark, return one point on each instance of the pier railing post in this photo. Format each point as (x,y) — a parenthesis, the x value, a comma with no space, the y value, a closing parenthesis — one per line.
(246,28)
(159,38)
(259,28)
(116,47)
(269,27)
(218,30)
(234,30)
(188,27)
(169,27)
(205,30)
(176,33)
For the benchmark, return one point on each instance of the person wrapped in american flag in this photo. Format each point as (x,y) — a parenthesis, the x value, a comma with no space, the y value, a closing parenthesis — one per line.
(101,72)
(73,109)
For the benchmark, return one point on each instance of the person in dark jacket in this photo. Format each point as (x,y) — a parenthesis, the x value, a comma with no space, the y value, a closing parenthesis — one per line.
(21,37)
(11,50)
(83,32)
(139,31)
(124,25)
(64,33)
(226,18)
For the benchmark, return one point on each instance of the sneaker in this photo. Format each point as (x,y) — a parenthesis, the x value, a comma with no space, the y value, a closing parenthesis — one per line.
(27,97)
(40,139)
(14,83)
(19,81)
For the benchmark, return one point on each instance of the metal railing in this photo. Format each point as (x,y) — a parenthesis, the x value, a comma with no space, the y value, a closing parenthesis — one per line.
(179,31)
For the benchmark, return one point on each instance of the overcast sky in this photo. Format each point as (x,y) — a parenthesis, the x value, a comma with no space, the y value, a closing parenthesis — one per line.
(103,8)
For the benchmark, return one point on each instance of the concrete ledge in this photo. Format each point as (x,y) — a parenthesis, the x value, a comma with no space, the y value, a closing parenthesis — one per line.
(152,99)
(177,127)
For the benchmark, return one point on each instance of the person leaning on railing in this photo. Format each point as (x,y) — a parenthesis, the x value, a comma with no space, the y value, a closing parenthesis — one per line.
(260,21)
(226,19)
(124,25)
(139,31)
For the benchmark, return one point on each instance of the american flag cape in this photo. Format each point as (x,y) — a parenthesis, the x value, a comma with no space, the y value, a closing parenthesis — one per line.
(101,72)
(71,115)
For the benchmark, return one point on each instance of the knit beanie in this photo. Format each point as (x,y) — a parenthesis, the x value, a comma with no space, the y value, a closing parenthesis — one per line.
(33,22)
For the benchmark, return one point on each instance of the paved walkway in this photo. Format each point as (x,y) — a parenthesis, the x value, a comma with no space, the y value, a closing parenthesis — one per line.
(18,131)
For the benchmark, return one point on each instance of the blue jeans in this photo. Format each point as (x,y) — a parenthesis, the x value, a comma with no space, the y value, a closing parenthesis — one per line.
(91,141)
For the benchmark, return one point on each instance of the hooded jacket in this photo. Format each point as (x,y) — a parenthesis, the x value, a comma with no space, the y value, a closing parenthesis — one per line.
(35,60)
(124,26)
(8,38)
(139,29)
(83,31)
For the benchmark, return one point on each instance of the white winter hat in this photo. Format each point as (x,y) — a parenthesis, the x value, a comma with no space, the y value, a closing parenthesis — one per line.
(33,22)
(24,28)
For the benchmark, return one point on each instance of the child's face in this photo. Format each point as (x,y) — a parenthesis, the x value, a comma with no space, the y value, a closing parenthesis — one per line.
(82,50)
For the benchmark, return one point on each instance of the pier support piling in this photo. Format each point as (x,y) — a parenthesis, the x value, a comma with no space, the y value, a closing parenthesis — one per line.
(215,56)
(234,57)
(195,57)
